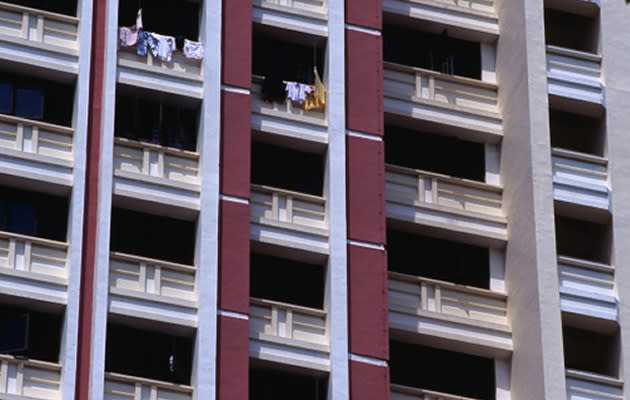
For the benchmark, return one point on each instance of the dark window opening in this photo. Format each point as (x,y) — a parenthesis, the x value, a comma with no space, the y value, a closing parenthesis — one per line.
(37,99)
(287,281)
(590,351)
(179,19)
(288,169)
(577,132)
(265,384)
(444,260)
(430,51)
(33,214)
(435,153)
(159,122)
(571,31)
(67,7)
(152,236)
(442,371)
(30,334)
(147,354)
(583,239)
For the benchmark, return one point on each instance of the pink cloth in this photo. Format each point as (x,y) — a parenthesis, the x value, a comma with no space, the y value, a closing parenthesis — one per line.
(128,36)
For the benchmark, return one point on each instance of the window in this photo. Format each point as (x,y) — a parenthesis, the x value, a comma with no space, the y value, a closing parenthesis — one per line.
(31,334)
(179,19)
(6,98)
(265,384)
(591,351)
(578,32)
(584,240)
(29,103)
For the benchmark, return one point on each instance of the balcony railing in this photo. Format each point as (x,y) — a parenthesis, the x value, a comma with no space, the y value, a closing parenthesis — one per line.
(575,74)
(42,28)
(272,318)
(287,207)
(118,386)
(34,137)
(33,258)
(158,164)
(29,379)
(400,392)
(580,178)
(318,7)
(417,187)
(285,109)
(421,85)
(411,294)
(586,385)
(151,279)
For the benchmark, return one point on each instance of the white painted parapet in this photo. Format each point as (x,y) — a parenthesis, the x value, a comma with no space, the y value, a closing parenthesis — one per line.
(583,385)
(289,218)
(308,16)
(438,200)
(400,392)
(118,386)
(29,379)
(447,99)
(587,288)
(33,258)
(575,75)
(43,38)
(580,178)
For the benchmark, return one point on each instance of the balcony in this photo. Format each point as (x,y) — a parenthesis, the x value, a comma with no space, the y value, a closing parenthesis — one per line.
(281,332)
(459,205)
(37,37)
(119,386)
(465,103)
(586,385)
(575,75)
(587,288)
(289,218)
(160,289)
(29,379)
(401,392)
(286,119)
(308,16)
(33,267)
(35,149)
(580,179)
(455,312)
(478,16)
(155,173)
(181,76)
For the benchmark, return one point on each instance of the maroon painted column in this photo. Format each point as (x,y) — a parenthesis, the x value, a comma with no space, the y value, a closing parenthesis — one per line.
(234,214)
(90,217)
(367,260)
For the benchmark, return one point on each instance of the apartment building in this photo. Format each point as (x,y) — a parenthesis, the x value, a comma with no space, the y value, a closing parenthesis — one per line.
(427,214)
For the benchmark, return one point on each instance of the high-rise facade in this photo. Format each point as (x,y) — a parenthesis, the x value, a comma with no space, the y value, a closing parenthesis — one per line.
(442,218)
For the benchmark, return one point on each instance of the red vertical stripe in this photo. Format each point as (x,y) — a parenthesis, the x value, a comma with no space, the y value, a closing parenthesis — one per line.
(235,144)
(368,382)
(90,225)
(234,257)
(365,13)
(236,66)
(233,359)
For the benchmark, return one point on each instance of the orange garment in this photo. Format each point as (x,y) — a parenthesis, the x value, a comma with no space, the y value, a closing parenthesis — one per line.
(316,99)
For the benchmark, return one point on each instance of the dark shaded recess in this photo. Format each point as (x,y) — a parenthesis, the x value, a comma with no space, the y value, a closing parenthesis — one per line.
(31,334)
(572,31)
(33,213)
(152,236)
(179,19)
(438,259)
(67,7)
(288,169)
(287,281)
(590,351)
(582,239)
(430,51)
(576,132)
(37,99)
(435,153)
(440,370)
(286,60)
(155,121)
(267,384)
(147,354)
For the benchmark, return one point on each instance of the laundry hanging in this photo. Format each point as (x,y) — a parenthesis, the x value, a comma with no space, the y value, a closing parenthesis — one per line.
(316,99)
(128,36)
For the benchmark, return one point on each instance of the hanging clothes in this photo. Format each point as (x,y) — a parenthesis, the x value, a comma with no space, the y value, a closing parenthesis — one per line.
(165,47)
(193,49)
(128,36)
(316,99)
(143,43)
(297,91)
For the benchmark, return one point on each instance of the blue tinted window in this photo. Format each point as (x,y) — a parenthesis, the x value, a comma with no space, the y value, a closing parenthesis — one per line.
(21,218)
(29,103)
(14,334)
(6,98)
